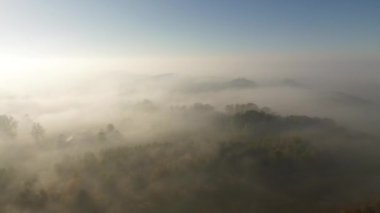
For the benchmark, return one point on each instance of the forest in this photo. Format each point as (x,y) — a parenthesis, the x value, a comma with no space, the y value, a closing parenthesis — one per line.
(191,158)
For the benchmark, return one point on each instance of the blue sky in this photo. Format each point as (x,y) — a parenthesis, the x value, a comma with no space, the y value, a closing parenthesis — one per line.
(116,27)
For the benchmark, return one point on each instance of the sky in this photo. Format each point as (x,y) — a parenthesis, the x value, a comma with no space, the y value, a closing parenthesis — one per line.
(64,36)
(131,27)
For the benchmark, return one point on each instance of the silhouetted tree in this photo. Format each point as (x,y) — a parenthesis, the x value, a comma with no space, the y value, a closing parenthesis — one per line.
(83,202)
(30,198)
(113,134)
(146,105)
(101,136)
(38,132)
(241,108)
(199,107)
(8,127)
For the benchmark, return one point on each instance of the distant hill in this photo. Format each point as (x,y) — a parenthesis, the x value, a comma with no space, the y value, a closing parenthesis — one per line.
(214,86)
(291,83)
(350,100)
(342,98)
(162,76)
